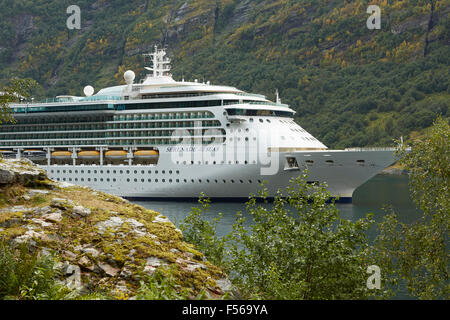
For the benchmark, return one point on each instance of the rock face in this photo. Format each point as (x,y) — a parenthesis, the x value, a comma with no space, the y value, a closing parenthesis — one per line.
(20,171)
(111,243)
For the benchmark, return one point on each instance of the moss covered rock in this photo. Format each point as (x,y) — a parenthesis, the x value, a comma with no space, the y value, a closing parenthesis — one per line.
(111,244)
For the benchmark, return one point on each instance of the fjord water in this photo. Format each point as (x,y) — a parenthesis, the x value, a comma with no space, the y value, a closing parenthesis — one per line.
(379,192)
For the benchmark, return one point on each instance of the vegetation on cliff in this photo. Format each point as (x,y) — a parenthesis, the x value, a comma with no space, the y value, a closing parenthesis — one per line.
(350,86)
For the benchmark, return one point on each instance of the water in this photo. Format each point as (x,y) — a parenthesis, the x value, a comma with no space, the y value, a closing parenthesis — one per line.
(380,191)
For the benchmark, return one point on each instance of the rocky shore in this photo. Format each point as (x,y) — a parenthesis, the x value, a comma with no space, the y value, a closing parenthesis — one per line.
(103,242)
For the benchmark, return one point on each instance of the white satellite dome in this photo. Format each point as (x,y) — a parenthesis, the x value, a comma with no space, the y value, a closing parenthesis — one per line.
(129,76)
(88,91)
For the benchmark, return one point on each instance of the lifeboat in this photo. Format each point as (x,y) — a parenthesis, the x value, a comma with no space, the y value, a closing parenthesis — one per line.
(61,155)
(7,154)
(34,154)
(146,154)
(89,155)
(116,154)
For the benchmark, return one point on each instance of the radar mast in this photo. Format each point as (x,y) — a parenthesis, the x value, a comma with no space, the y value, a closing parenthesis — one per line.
(160,63)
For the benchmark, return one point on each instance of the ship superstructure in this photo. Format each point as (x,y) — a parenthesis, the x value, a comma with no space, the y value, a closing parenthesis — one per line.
(162,138)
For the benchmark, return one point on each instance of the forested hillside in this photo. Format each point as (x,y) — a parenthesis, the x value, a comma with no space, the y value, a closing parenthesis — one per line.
(350,86)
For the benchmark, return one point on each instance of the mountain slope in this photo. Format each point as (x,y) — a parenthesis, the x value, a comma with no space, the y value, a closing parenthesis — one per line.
(349,85)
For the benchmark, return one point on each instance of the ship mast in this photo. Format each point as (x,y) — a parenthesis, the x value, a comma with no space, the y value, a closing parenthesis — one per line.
(161,64)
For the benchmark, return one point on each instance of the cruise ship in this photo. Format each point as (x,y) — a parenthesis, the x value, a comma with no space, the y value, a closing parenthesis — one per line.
(166,139)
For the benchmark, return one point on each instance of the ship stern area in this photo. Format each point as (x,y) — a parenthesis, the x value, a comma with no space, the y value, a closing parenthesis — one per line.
(341,170)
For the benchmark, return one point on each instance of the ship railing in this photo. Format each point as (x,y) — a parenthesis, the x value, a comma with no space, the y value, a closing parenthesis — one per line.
(371,149)
(75,99)
(251,95)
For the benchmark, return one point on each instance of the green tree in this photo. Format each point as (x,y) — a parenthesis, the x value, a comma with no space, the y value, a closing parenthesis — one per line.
(417,254)
(15,90)
(298,248)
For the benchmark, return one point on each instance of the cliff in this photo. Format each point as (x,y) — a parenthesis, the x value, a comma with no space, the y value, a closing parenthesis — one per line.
(103,243)
(350,86)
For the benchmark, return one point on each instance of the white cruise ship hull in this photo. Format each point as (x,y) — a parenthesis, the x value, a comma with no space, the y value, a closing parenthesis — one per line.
(343,171)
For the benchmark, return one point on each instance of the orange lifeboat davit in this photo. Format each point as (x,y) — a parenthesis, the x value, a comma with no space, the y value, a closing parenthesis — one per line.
(116,154)
(146,154)
(89,155)
(61,155)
